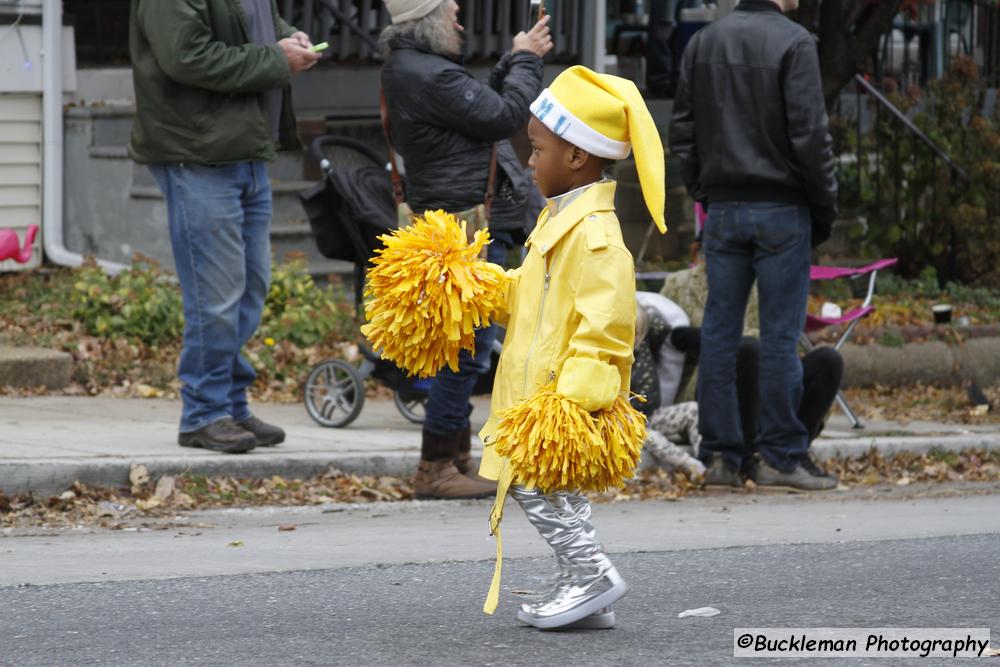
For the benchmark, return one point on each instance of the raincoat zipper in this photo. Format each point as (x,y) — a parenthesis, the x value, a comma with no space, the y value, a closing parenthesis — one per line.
(538,327)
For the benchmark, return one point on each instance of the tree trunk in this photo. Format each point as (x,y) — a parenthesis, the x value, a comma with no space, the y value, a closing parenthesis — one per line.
(849,33)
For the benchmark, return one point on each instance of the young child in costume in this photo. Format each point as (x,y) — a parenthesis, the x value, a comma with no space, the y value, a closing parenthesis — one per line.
(570,327)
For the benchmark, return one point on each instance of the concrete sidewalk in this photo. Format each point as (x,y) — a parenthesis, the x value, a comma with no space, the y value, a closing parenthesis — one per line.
(46,443)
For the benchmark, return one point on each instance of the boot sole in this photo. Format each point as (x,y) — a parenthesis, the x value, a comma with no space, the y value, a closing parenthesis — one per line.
(605,599)
(269,442)
(597,621)
(235,448)
(778,488)
(719,485)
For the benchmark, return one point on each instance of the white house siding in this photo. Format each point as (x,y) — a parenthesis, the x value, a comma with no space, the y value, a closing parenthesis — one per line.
(21,169)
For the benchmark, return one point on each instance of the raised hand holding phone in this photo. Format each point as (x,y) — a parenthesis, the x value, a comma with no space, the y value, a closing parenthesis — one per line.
(538,40)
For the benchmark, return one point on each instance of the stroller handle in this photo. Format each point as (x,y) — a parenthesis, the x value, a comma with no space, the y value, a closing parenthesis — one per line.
(316,149)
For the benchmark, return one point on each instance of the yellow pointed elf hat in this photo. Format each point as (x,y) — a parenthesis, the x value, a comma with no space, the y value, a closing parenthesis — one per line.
(606,116)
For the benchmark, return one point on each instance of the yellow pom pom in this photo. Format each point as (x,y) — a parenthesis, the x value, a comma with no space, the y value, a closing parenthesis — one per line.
(428,292)
(553,444)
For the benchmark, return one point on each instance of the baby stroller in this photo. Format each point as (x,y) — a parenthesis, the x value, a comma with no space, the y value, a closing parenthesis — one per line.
(347,212)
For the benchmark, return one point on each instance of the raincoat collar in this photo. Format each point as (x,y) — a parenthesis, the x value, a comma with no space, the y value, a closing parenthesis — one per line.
(571,208)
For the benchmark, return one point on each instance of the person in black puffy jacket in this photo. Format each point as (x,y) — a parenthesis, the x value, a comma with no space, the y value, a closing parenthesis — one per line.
(444,123)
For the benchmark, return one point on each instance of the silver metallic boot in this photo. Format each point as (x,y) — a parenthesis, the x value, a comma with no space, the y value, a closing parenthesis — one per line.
(534,505)
(588,583)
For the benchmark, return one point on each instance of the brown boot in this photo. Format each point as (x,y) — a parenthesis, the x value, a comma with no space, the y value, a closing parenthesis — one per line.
(441,479)
(466,465)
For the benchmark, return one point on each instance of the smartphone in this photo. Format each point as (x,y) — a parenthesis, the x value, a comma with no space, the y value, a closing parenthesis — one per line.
(536,11)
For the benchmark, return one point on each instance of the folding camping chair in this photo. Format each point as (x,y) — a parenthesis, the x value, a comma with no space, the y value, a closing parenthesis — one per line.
(851,318)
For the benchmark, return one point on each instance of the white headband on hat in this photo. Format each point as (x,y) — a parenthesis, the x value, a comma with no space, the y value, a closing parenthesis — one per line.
(564,124)
(410,10)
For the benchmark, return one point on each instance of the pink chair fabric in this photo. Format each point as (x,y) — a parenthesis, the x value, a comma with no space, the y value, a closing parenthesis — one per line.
(833,272)
(814,322)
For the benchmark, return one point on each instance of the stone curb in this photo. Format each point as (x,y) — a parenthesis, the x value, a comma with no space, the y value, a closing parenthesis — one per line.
(52,476)
(824,449)
(976,359)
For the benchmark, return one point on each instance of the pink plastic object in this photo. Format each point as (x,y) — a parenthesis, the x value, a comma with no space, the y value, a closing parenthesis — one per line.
(11,249)
(700,217)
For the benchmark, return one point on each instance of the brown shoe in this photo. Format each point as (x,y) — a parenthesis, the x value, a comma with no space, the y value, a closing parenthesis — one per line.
(466,465)
(441,479)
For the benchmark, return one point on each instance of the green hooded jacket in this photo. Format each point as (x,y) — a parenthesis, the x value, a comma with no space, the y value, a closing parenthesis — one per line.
(198,80)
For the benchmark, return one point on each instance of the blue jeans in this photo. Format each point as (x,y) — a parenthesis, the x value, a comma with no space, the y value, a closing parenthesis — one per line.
(220,220)
(769,242)
(448,407)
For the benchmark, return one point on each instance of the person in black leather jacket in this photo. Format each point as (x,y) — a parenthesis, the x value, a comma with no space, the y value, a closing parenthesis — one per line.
(751,130)
(444,123)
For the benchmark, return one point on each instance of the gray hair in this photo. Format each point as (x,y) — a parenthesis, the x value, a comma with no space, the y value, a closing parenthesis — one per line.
(434,31)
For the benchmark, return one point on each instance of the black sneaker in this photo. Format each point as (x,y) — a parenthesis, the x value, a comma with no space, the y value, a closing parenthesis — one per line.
(224,435)
(797,479)
(266,435)
(717,473)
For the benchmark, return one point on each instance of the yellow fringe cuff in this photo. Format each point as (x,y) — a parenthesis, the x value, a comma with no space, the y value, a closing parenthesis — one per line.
(555,445)
(427,293)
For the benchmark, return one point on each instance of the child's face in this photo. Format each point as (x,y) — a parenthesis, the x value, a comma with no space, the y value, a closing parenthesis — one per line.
(551,160)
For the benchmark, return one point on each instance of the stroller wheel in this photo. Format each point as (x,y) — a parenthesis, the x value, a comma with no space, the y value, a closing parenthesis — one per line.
(335,393)
(411,405)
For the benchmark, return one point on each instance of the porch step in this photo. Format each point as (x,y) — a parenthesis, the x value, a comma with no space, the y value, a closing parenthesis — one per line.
(30,367)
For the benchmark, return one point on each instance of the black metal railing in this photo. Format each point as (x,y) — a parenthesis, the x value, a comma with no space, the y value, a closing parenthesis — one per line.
(897,179)
(101,30)
(352,27)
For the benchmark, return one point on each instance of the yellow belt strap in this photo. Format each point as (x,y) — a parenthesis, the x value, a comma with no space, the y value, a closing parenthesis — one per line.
(496,516)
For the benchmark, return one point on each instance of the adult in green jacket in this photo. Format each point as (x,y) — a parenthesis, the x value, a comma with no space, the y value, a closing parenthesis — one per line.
(213,103)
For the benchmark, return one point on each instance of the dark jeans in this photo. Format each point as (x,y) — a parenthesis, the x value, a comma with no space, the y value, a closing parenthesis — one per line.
(768,242)
(448,406)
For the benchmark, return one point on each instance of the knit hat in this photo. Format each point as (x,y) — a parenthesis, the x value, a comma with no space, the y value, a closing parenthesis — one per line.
(606,116)
(410,10)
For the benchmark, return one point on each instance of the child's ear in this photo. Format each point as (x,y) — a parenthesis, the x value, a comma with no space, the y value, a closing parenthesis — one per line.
(578,158)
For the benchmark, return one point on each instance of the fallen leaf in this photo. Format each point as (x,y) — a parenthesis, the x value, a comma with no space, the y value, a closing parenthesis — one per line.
(146,391)
(235,543)
(285,527)
(152,503)
(165,487)
(138,474)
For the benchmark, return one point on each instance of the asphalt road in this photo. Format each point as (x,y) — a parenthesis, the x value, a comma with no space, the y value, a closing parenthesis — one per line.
(429,614)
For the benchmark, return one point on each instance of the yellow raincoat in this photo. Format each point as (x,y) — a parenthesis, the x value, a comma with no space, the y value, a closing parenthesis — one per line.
(570,313)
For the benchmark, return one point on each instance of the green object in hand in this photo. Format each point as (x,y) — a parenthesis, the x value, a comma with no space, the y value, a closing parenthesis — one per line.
(322,46)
